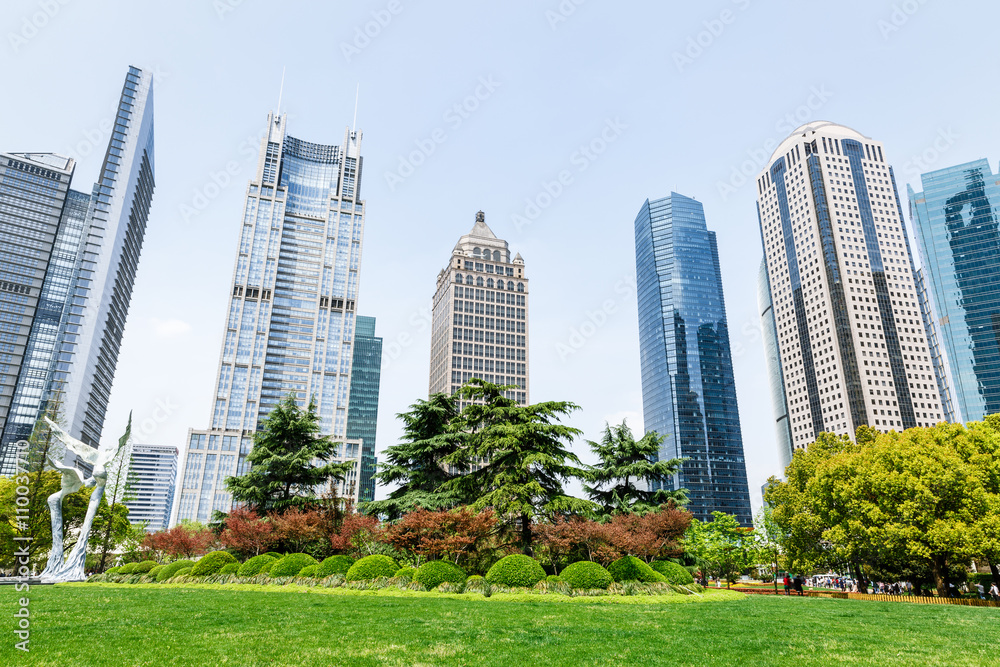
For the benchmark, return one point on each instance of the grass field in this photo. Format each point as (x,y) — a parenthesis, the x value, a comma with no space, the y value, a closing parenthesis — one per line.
(124,625)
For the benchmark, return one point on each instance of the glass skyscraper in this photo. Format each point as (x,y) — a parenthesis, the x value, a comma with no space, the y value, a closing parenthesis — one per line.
(957,218)
(772,358)
(362,413)
(69,264)
(291,321)
(688,391)
(153,476)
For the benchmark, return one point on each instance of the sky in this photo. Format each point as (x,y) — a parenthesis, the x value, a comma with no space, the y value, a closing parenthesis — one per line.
(468,106)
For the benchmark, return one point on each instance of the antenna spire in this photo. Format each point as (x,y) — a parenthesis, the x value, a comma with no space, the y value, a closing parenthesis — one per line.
(281,90)
(357,94)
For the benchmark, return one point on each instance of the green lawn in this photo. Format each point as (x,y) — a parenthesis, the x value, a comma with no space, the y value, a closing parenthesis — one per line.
(123,625)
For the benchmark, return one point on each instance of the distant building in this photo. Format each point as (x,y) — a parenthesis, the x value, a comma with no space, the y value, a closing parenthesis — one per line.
(362,413)
(688,389)
(153,473)
(775,379)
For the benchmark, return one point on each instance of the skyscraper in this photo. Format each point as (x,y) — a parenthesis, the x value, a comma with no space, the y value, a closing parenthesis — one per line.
(957,219)
(362,413)
(851,338)
(688,391)
(772,359)
(480,316)
(153,474)
(70,261)
(290,325)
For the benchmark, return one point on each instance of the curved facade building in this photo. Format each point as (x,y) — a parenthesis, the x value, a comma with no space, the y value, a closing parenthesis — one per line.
(772,359)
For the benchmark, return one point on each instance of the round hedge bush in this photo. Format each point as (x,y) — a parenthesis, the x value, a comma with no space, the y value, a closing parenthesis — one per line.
(432,574)
(127,568)
(404,573)
(516,570)
(275,555)
(334,565)
(553,579)
(674,572)
(587,575)
(291,565)
(183,572)
(231,568)
(474,579)
(212,562)
(372,567)
(253,566)
(144,566)
(155,571)
(266,567)
(113,570)
(630,568)
(170,569)
(308,571)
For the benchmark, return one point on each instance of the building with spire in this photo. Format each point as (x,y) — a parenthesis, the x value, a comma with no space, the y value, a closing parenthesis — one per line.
(480,316)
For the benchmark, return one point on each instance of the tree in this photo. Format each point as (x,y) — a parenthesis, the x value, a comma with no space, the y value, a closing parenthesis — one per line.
(429,455)
(185,540)
(767,537)
(247,533)
(111,524)
(524,459)
(284,472)
(454,535)
(631,467)
(564,541)
(650,536)
(721,546)
(36,525)
(357,535)
(297,528)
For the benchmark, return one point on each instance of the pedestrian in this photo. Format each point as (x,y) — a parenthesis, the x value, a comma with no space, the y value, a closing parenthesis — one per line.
(980,590)
(994,591)
(788,584)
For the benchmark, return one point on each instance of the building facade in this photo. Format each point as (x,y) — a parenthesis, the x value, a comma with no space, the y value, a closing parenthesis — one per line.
(957,221)
(70,261)
(362,413)
(291,318)
(153,476)
(688,389)
(772,359)
(851,337)
(480,317)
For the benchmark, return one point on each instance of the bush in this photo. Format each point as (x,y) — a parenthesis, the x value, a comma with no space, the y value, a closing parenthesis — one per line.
(231,568)
(515,571)
(144,566)
(371,567)
(587,576)
(155,571)
(212,562)
(291,565)
(553,579)
(183,572)
(309,570)
(675,573)
(334,565)
(127,568)
(630,568)
(113,570)
(436,572)
(275,555)
(266,567)
(253,566)
(404,573)
(474,579)
(171,569)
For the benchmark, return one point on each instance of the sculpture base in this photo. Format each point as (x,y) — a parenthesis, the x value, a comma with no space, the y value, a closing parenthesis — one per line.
(10,581)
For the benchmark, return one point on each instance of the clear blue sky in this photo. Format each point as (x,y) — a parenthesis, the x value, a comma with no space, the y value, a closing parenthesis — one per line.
(681,117)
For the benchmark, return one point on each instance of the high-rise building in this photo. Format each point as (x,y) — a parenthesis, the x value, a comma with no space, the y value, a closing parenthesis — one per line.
(957,221)
(70,261)
(851,338)
(362,413)
(480,316)
(291,318)
(772,359)
(153,476)
(688,390)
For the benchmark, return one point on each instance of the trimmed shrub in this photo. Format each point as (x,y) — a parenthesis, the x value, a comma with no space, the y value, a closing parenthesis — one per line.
(183,572)
(155,571)
(587,576)
(113,570)
(127,568)
(275,555)
(404,573)
(171,569)
(231,568)
(334,565)
(674,572)
(266,567)
(309,570)
(253,566)
(212,562)
(474,579)
(553,579)
(630,568)
(436,572)
(516,570)
(291,565)
(371,567)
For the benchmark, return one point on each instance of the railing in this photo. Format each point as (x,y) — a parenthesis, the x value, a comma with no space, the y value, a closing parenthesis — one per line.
(920,599)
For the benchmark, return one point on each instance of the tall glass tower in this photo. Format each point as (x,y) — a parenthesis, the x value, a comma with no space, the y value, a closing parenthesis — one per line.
(362,413)
(782,430)
(688,391)
(69,264)
(291,320)
(957,218)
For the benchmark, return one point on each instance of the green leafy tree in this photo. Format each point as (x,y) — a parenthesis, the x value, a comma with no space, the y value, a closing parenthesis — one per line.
(429,455)
(111,524)
(721,546)
(627,469)
(289,459)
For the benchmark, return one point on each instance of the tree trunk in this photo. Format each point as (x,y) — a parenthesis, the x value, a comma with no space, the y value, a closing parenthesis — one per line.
(940,568)
(525,535)
(996,573)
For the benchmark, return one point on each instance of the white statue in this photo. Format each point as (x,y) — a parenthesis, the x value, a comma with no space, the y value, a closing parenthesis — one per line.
(72,481)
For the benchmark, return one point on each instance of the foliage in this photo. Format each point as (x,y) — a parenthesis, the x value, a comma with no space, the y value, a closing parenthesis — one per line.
(111,526)
(568,540)
(674,572)
(185,540)
(457,535)
(283,462)
(357,535)
(265,568)
(247,533)
(404,573)
(230,568)
(253,565)
(339,564)
(127,568)
(630,467)
(630,568)
(553,579)
(144,567)
(722,547)
(654,534)
(516,570)
(115,570)
(371,567)
(183,572)
(212,562)
(152,573)
(297,528)
(291,565)
(309,571)
(587,575)
(436,572)
(171,569)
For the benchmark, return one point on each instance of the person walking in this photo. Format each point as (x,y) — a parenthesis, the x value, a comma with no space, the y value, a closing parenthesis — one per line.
(788,584)
(995,592)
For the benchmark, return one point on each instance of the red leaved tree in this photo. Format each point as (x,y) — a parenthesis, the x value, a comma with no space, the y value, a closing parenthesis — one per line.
(650,536)
(459,536)
(357,535)
(565,541)
(181,541)
(298,528)
(247,533)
